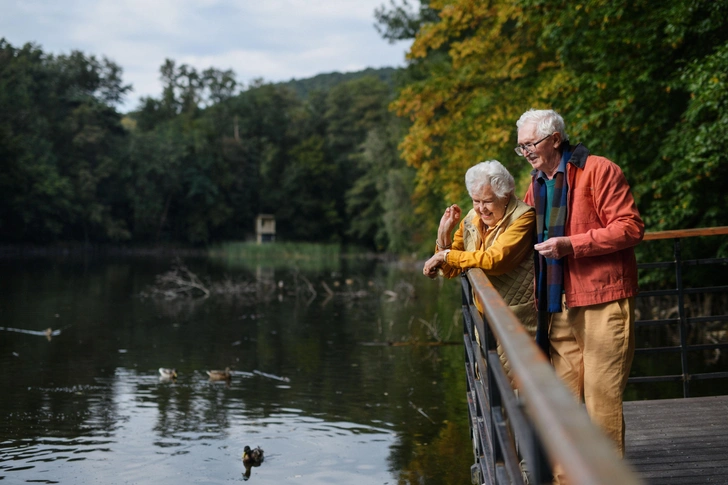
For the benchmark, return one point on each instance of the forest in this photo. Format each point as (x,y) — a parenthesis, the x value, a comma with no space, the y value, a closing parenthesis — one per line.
(370,158)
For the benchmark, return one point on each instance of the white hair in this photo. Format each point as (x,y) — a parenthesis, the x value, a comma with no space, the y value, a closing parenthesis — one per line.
(547,121)
(490,173)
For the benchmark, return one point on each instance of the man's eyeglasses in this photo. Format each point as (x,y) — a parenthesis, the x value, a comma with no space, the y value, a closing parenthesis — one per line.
(529,147)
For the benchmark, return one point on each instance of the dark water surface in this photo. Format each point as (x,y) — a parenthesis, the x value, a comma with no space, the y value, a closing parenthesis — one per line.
(312,383)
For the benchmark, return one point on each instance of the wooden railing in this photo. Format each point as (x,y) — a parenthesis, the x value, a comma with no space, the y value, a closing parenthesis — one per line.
(517,436)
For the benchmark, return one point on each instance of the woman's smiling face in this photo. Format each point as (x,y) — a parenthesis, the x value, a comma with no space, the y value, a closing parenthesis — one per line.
(490,208)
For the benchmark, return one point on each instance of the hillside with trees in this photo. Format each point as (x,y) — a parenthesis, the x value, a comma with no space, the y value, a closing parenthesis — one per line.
(198,163)
(325,82)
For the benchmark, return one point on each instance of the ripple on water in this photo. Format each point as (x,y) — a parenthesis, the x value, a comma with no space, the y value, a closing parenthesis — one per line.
(133,429)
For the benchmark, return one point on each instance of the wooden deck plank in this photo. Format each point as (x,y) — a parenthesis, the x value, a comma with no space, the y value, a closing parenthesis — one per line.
(678,441)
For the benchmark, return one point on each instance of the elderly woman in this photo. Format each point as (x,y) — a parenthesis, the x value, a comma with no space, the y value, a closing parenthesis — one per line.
(495,236)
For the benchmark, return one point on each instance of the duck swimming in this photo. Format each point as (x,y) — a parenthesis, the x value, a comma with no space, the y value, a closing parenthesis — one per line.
(220,375)
(165,373)
(253,457)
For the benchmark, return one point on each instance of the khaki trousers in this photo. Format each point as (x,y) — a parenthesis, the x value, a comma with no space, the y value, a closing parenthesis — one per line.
(591,351)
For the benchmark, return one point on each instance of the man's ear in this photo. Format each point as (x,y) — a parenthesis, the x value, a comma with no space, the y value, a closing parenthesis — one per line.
(556,137)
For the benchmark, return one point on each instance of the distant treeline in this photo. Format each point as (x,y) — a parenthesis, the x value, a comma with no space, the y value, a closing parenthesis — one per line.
(197,164)
(324,82)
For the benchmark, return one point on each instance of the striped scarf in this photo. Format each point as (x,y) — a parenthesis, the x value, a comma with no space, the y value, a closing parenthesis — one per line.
(549,272)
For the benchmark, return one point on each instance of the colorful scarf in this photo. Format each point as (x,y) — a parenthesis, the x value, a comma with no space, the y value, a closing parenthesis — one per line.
(549,272)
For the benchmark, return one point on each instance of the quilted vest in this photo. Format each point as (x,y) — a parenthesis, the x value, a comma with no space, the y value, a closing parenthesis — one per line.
(516,287)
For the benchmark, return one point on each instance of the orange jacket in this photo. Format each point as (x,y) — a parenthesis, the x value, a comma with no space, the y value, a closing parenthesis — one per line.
(604,225)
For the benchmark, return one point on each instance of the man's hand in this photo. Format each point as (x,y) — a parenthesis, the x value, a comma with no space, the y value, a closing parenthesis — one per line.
(555,247)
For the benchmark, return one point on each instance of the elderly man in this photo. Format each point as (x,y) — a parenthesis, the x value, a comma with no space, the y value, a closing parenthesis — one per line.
(586,274)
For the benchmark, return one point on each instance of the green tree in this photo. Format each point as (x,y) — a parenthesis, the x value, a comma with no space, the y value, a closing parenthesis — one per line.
(154,179)
(635,81)
(685,184)
(379,205)
(265,123)
(60,138)
(353,109)
(309,211)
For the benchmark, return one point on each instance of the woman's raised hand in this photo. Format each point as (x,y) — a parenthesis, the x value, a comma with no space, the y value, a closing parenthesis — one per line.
(449,221)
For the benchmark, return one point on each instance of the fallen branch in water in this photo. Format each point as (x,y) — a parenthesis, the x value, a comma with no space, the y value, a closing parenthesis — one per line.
(179,282)
(271,376)
(419,410)
(47,333)
(432,328)
(182,286)
(402,290)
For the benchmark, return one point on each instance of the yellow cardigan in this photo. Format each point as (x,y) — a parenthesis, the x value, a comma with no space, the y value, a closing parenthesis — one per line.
(504,255)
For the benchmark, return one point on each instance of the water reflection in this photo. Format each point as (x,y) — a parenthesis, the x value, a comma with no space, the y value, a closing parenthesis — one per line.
(89,406)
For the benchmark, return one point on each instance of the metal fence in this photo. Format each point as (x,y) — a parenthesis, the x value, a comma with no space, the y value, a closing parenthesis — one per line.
(518,435)
(682,321)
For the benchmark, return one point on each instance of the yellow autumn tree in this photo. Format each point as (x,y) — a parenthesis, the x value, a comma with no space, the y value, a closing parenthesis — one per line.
(464,111)
(630,78)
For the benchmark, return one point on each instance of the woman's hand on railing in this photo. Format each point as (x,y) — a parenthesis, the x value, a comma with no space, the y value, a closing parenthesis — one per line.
(432,265)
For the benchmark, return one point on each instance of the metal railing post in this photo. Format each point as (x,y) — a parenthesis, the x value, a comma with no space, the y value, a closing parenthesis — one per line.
(683,319)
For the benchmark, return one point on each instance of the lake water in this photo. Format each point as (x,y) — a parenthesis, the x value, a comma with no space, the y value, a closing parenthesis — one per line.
(331,376)
(333,370)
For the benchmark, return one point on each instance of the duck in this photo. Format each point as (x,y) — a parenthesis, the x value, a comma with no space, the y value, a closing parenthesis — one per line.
(220,375)
(165,373)
(252,457)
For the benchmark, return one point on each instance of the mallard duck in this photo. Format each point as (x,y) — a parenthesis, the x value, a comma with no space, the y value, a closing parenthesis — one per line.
(252,457)
(165,373)
(220,375)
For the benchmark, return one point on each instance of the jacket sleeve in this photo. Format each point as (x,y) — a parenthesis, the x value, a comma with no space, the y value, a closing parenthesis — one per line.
(604,217)
(504,255)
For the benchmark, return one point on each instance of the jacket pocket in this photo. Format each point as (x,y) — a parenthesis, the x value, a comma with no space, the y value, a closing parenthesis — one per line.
(582,206)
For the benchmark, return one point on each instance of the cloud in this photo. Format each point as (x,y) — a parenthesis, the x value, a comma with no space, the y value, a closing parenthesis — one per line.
(272,39)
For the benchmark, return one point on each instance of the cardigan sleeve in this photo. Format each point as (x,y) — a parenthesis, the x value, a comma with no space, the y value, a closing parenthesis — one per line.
(458,244)
(504,255)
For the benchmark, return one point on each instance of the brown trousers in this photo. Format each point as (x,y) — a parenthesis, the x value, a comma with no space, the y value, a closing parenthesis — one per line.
(591,350)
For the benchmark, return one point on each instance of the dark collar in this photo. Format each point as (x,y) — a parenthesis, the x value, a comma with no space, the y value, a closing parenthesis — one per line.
(579,155)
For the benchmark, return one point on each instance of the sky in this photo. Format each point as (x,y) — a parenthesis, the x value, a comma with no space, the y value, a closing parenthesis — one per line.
(277,40)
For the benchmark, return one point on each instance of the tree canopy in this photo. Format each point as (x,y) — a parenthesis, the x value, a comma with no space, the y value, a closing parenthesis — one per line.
(638,82)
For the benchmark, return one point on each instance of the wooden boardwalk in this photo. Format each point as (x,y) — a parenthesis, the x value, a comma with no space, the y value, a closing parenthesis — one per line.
(678,441)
